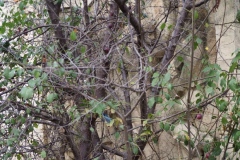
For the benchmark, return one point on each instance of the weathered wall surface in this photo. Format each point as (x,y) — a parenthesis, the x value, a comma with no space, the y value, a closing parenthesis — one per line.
(220,42)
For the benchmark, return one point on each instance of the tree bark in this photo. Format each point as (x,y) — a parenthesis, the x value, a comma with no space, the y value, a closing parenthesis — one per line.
(53,11)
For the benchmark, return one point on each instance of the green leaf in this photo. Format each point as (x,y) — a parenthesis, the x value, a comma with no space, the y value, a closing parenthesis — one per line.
(209,90)
(163,26)
(15,132)
(198,40)
(28,111)
(19,71)
(236,134)
(43,154)
(55,64)
(169,86)
(170,27)
(233,66)
(196,15)
(12,73)
(151,102)
(155,75)
(51,97)
(92,129)
(223,83)
(195,45)
(159,100)
(19,157)
(8,74)
(116,135)
(22,5)
(236,146)
(222,105)
(2,31)
(166,78)
(233,84)
(10,142)
(224,120)
(180,58)
(238,16)
(1,3)
(155,139)
(170,103)
(83,49)
(98,107)
(32,83)
(168,97)
(207,69)
(150,59)
(155,81)
(236,58)
(35,125)
(73,36)
(206,147)
(135,150)
(161,124)
(36,73)
(26,93)
(166,126)
(58,2)
(216,151)
(172,127)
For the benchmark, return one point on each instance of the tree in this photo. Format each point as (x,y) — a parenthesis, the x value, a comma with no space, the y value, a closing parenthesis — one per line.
(104,79)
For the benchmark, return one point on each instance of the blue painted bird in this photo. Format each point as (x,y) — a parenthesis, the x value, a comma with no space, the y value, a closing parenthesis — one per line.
(106,117)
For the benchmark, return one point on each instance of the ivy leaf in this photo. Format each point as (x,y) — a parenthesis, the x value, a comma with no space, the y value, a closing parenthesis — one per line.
(26,93)
(73,36)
